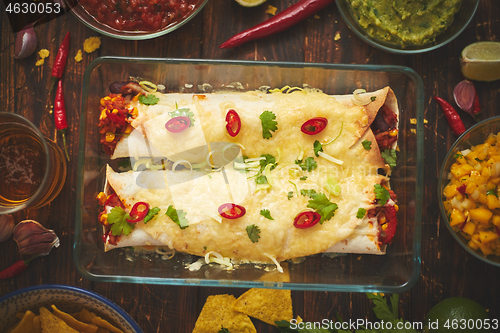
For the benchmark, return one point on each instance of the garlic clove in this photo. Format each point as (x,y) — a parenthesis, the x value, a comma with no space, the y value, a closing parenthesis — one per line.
(7,225)
(25,43)
(33,239)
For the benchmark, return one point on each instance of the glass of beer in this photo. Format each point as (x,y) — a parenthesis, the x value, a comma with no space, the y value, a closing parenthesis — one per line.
(32,168)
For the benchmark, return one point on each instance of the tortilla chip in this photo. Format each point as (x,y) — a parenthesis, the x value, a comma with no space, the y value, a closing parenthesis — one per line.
(85,316)
(218,312)
(268,305)
(37,324)
(104,324)
(102,330)
(25,325)
(74,323)
(53,324)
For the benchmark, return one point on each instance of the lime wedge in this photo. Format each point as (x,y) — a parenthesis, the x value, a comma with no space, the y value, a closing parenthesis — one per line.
(480,61)
(250,3)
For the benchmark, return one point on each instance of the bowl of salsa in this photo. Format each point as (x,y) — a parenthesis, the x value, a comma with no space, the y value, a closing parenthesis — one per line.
(135,19)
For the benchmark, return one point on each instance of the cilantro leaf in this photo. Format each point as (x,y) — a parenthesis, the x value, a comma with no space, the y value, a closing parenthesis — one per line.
(289,195)
(183,112)
(266,213)
(389,156)
(150,99)
(223,330)
(267,119)
(253,232)
(492,191)
(118,218)
(151,213)
(361,213)
(303,178)
(323,206)
(269,159)
(373,98)
(309,193)
(317,147)
(178,216)
(367,144)
(308,164)
(261,180)
(382,194)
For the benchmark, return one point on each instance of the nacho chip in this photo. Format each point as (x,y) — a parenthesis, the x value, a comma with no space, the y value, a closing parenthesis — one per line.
(217,312)
(105,324)
(74,323)
(25,325)
(268,305)
(37,323)
(85,316)
(53,324)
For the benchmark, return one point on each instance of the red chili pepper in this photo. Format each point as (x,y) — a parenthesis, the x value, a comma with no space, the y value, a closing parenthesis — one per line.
(177,124)
(386,236)
(60,62)
(282,21)
(137,214)
(314,125)
(60,115)
(456,124)
(231,211)
(306,219)
(15,269)
(233,123)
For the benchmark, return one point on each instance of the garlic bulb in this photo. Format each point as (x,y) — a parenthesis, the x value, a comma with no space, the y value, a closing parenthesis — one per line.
(33,239)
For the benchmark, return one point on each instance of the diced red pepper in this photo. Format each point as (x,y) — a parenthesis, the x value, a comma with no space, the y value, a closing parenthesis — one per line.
(306,219)
(314,125)
(461,189)
(113,201)
(233,123)
(177,124)
(231,211)
(386,236)
(138,212)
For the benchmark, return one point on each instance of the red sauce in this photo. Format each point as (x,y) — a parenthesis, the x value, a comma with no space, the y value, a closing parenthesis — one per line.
(139,15)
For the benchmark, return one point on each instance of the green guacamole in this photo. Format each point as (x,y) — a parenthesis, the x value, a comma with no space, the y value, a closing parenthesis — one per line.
(405,22)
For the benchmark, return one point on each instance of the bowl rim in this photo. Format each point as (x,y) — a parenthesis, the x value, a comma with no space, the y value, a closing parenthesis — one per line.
(97,26)
(358,31)
(416,244)
(79,290)
(442,178)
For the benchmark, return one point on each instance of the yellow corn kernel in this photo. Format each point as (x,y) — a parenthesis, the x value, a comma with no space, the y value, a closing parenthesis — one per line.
(382,219)
(129,129)
(103,114)
(487,236)
(110,137)
(456,217)
(384,226)
(103,218)
(135,98)
(393,132)
(134,112)
(469,228)
(495,219)
(396,207)
(492,201)
(115,111)
(450,191)
(481,215)
(102,198)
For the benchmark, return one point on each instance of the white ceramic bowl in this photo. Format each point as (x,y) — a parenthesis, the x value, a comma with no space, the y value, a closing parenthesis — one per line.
(66,298)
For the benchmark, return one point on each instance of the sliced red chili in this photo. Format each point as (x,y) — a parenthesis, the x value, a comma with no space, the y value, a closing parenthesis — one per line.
(138,212)
(177,124)
(306,219)
(231,211)
(386,236)
(233,123)
(113,201)
(314,125)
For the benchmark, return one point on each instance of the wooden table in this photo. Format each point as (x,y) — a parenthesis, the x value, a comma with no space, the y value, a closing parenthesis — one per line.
(446,270)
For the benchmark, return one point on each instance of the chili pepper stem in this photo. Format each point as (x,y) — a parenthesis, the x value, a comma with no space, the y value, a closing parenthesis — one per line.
(63,134)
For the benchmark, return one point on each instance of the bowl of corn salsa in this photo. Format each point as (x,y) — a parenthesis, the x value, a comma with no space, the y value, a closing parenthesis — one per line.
(469,185)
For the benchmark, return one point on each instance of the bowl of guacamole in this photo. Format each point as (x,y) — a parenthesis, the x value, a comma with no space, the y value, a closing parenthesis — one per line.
(407,26)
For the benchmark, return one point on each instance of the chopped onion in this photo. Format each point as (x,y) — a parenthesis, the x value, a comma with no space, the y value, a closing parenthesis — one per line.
(464,94)
(357,99)
(332,186)
(301,154)
(495,169)
(330,158)
(465,152)
(25,43)
(475,194)
(456,203)
(182,161)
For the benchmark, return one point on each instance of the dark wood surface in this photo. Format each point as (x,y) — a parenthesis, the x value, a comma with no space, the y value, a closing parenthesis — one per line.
(446,270)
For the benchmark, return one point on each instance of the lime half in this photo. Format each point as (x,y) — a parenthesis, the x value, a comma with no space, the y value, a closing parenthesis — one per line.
(480,61)
(250,3)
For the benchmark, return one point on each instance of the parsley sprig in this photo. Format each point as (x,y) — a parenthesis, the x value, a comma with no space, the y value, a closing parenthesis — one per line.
(117,217)
(320,203)
(308,164)
(253,232)
(148,99)
(382,194)
(178,216)
(267,119)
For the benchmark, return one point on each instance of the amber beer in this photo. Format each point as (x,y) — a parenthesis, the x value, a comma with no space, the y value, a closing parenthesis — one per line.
(32,168)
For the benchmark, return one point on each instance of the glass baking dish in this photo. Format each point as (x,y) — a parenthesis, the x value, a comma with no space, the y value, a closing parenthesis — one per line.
(396,271)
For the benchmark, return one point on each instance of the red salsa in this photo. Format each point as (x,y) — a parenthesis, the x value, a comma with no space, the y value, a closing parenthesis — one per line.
(139,15)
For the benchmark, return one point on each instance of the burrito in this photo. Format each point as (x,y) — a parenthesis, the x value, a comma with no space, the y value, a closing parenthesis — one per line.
(254,176)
